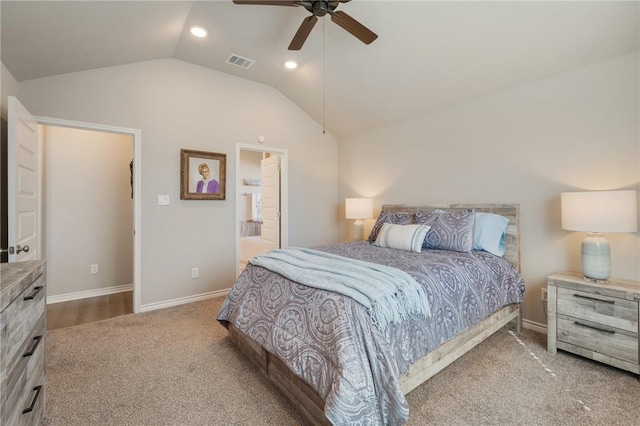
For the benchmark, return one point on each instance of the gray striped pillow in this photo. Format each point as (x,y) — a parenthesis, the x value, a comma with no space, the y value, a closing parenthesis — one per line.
(403,237)
(397,218)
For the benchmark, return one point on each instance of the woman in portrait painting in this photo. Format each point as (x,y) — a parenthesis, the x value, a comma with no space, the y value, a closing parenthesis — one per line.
(207,184)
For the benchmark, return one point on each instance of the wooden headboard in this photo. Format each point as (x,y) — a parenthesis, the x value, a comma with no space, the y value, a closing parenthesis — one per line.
(510,211)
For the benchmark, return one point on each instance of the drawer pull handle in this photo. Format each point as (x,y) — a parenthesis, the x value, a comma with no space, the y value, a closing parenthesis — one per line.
(37,389)
(594,298)
(33,295)
(595,328)
(33,349)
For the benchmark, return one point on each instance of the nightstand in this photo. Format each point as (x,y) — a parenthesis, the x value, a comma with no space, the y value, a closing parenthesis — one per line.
(596,320)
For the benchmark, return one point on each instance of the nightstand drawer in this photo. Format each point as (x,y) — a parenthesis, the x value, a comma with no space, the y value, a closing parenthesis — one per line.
(610,341)
(604,310)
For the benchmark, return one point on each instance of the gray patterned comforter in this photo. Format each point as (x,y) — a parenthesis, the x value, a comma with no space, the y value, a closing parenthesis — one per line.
(328,340)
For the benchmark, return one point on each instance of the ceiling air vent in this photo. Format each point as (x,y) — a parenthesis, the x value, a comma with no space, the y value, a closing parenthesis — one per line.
(239,61)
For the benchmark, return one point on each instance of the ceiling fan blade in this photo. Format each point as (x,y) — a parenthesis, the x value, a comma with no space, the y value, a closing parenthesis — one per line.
(266,2)
(303,32)
(354,27)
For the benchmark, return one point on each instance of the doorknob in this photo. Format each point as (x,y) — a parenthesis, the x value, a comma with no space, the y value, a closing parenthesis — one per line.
(24,249)
(17,249)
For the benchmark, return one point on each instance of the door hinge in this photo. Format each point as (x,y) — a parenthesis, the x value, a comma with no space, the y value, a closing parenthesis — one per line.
(279,215)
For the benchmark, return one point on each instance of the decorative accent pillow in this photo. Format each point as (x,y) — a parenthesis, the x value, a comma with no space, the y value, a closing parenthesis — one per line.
(490,233)
(396,218)
(449,230)
(403,237)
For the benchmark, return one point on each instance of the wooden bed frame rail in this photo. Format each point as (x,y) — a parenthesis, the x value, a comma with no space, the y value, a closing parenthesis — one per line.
(310,403)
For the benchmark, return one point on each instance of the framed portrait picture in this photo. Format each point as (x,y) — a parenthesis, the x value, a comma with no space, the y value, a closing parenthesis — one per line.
(202,175)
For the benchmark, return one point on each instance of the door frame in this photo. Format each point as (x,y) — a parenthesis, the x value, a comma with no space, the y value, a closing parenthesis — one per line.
(284,194)
(136,135)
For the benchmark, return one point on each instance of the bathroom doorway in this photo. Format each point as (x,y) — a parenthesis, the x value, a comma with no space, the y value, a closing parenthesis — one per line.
(261,209)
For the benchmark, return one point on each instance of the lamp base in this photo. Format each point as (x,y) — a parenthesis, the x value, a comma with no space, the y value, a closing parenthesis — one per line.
(358,230)
(596,257)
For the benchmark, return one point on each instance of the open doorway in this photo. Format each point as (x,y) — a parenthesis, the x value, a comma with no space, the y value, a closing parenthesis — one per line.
(92,174)
(262,210)
(88,226)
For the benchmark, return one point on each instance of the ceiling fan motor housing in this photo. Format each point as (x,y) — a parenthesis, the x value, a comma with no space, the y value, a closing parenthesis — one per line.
(319,8)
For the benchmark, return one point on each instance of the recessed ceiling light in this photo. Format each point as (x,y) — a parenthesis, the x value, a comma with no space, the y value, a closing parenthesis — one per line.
(198,31)
(292,65)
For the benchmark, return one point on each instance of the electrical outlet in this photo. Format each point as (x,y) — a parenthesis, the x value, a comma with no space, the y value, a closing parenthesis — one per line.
(94,268)
(195,272)
(543,294)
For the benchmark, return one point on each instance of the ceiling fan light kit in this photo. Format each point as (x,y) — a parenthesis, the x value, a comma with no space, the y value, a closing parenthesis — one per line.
(319,8)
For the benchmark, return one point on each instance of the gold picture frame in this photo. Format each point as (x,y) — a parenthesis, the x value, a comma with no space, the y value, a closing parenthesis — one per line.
(202,175)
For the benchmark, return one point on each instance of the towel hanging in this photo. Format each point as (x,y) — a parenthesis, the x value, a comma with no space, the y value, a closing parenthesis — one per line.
(256,207)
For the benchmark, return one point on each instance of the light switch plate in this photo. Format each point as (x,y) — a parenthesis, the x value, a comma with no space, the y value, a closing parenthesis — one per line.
(163,200)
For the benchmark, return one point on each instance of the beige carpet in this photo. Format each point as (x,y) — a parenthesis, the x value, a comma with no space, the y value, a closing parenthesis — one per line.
(177,367)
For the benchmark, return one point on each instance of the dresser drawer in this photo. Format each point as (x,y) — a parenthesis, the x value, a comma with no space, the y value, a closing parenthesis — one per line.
(34,405)
(24,374)
(599,338)
(20,317)
(30,408)
(609,311)
(22,343)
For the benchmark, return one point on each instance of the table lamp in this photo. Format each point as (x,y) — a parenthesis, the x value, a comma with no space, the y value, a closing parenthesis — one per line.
(596,212)
(358,209)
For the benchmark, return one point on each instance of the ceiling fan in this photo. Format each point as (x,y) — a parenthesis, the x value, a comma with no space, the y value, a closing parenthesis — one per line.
(319,8)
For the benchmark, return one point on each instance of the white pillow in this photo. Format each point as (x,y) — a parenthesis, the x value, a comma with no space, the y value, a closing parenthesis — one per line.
(490,233)
(403,237)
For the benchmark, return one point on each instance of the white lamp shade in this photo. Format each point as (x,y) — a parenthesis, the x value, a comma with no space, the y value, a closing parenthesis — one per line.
(600,211)
(359,208)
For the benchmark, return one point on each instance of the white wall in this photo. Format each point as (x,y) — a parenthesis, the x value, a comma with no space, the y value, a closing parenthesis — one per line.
(575,131)
(90,210)
(8,87)
(180,105)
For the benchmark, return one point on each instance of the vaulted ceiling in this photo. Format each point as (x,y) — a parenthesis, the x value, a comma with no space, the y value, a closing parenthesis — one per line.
(428,55)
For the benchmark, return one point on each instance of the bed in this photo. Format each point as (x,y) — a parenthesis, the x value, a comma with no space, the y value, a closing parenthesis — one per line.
(319,350)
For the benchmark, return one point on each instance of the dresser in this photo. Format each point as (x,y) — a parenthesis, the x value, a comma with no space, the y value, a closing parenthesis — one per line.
(22,335)
(596,320)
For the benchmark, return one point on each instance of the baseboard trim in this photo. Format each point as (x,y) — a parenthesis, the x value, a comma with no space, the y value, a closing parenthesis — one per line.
(534,326)
(528,324)
(183,300)
(89,293)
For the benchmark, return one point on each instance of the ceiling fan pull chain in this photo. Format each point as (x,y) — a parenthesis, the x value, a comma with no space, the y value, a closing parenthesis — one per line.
(323,83)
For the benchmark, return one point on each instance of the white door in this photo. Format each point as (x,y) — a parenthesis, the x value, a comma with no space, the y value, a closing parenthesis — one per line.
(22,181)
(271,202)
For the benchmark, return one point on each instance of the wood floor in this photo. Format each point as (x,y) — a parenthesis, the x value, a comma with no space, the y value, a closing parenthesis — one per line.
(76,312)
